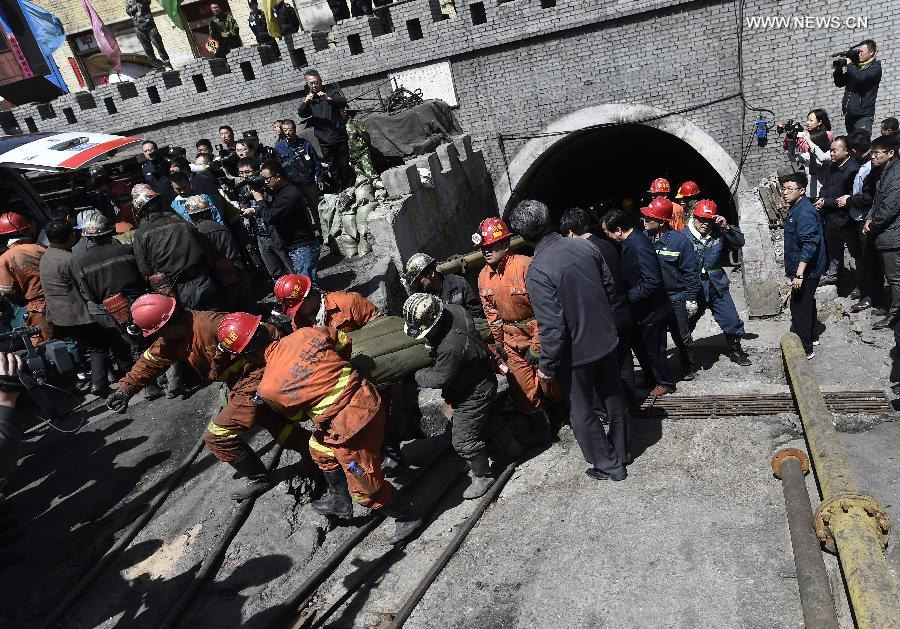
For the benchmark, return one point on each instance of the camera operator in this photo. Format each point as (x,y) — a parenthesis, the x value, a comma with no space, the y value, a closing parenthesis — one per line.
(814,146)
(322,110)
(271,249)
(859,75)
(10,422)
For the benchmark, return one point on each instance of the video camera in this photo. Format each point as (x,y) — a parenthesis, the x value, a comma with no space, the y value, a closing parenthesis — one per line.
(840,58)
(46,366)
(256,182)
(790,128)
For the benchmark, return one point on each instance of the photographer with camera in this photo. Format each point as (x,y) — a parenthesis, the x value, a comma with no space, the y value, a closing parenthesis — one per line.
(810,147)
(322,110)
(271,249)
(859,73)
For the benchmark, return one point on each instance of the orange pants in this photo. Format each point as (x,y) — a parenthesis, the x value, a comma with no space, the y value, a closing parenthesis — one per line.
(370,490)
(38,318)
(523,381)
(223,434)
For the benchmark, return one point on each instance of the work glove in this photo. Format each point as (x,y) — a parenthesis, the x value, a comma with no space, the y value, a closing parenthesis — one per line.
(532,357)
(118,401)
(691,308)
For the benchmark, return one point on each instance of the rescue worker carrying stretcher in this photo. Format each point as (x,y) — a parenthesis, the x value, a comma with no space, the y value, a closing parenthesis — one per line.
(307,377)
(210,343)
(680,267)
(20,272)
(464,372)
(712,237)
(510,317)
(422,276)
(344,310)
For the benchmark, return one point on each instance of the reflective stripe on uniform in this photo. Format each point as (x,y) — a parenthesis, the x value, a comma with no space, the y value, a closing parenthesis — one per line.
(159,362)
(223,432)
(232,368)
(359,496)
(318,447)
(666,252)
(285,433)
(342,382)
(342,340)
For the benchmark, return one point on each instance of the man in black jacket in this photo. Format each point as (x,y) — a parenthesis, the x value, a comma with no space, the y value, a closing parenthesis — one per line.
(323,111)
(578,223)
(650,307)
(258,24)
(860,80)
(883,220)
(286,212)
(463,371)
(156,171)
(578,335)
(837,181)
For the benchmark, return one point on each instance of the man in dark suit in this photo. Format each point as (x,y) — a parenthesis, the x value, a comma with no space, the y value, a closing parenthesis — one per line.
(840,228)
(650,307)
(578,335)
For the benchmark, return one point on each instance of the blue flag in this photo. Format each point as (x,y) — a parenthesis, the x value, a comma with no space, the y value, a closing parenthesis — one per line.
(47,29)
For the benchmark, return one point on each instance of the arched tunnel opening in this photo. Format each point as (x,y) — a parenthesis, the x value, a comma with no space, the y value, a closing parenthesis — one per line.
(601,167)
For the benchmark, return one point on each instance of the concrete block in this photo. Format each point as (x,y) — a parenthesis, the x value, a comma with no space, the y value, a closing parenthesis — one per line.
(401,180)
(762,277)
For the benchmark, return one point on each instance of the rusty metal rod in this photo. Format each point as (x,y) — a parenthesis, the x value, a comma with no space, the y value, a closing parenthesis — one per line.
(812,578)
(855,525)
(404,613)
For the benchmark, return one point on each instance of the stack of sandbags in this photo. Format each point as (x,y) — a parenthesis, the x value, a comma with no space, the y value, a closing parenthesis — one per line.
(345,216)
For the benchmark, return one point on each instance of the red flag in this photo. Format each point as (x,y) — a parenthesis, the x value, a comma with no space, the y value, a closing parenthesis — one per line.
(106,41)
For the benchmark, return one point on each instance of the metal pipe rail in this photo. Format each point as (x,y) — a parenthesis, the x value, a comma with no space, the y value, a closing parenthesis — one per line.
(457,265)
(848,522)
(791,466)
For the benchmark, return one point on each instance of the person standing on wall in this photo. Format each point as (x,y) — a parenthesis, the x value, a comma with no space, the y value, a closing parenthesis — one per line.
(322,110)
(860,79)
(804,257)
(223,29)
(146,31)
(258,25)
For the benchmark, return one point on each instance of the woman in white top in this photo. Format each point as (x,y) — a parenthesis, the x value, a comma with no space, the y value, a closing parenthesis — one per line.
(813,146)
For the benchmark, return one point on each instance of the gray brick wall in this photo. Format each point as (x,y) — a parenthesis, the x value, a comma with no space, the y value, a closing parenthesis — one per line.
(518,71)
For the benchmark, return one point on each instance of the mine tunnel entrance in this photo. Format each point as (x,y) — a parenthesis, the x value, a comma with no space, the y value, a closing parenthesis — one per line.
(609,164)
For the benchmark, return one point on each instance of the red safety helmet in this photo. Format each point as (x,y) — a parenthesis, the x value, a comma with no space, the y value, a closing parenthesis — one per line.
(688,189)
(12,224)
(705,209)
(660,186)
(291,290)
(235,331)
(152,311)
(660,209)
(491,230)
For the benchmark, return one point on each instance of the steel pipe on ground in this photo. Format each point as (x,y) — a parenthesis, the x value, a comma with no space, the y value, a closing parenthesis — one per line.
(848,522)
(812,578)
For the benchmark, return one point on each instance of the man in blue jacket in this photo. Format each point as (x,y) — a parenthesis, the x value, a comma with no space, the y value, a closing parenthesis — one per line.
(680,267)
(712,237)
(302,165)
(650,308)
(860,80)
(804,256)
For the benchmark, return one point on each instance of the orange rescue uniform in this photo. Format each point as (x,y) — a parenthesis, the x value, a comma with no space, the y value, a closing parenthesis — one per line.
(20,283)
(346,311)
(678,218)
(513,326)
(199,348)
(307,378)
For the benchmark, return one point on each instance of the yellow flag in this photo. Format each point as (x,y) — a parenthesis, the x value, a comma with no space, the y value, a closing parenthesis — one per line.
(267,9)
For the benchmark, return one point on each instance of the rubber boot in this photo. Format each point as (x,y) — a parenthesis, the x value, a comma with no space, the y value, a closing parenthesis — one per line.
(336,501)
(392,461)
(481,476)
(254,473)
(405,521)
(503,436)
(736,353)
(540,423)
(687,364)
(175,386)
(152,392)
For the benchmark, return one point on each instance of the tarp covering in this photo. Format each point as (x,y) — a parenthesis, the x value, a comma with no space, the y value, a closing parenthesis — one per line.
(415,131)
(384,354)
